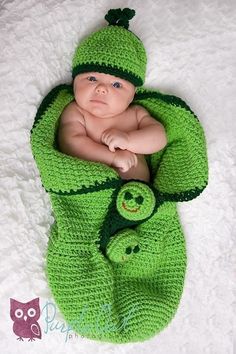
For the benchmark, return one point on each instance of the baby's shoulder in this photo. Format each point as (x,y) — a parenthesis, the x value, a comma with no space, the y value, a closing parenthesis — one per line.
(140,111)
(72,113)
(137,108)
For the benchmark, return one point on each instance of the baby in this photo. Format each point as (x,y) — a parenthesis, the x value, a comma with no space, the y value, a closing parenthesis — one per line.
(100,125)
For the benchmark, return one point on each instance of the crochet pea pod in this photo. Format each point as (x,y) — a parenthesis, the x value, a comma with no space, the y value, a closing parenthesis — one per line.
(116,256)
(117,275)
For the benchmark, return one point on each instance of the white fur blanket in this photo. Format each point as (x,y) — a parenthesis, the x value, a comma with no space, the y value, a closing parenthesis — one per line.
(191,48)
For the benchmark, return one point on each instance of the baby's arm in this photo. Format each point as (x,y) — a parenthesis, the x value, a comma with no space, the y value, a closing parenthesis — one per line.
(150,136)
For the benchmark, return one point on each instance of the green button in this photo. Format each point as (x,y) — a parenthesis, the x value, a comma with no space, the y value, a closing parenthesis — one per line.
(135,201)
(123,246)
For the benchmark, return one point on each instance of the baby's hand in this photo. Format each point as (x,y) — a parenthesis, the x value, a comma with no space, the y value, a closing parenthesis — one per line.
(124,160)
(115,138)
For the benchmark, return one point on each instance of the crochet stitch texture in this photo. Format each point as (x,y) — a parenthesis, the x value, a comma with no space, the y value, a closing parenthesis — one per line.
(114,50)
(115,274)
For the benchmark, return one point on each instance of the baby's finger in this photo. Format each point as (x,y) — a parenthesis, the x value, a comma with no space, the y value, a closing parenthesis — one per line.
(122,169)
(103,138)
(107,137)
(107,140)
(110,140)
(112,147)
(131,162)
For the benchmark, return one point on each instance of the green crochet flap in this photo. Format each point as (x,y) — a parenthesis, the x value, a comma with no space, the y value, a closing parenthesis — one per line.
(181,169)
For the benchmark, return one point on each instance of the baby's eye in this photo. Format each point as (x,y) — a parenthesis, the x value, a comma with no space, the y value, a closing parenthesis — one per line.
(92,78)
(117,84)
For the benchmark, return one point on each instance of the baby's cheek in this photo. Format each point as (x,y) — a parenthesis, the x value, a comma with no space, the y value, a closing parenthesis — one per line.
(129,98)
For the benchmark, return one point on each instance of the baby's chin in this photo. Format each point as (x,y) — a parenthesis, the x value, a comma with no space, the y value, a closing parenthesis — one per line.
(102,112)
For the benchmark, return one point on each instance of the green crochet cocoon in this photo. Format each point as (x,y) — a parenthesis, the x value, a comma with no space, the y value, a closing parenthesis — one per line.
(116,256)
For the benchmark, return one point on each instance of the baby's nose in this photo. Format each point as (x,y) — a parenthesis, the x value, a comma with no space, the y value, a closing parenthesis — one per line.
(101,89)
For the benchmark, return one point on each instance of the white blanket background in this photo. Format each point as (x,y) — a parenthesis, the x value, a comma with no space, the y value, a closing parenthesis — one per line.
(191,48)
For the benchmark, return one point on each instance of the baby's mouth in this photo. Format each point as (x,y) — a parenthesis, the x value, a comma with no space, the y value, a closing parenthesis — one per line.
(98,101)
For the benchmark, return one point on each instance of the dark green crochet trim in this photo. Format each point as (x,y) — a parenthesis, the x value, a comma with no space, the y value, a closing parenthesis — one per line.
(170,99)
(109,184)
(115,183)
(51,96)
(136,81)
(182,196)
(96,187)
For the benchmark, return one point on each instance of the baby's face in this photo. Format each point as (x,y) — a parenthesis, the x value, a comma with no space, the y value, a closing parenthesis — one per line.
(103,95)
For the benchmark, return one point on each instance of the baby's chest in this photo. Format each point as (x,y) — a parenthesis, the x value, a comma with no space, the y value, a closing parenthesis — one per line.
(95,127)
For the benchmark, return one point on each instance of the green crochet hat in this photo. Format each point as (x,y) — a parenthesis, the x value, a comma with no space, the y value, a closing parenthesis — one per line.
(113,50)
